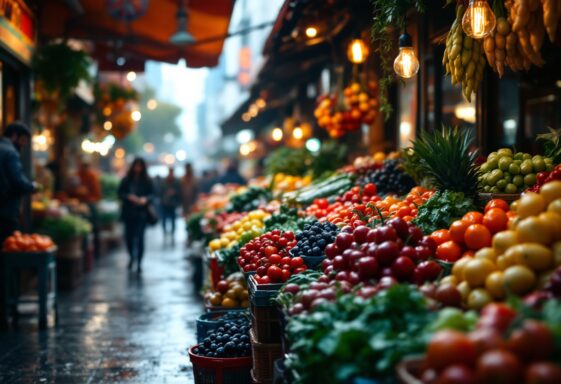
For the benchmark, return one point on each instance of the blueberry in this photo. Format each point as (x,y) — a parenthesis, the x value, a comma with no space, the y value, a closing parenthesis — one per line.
(220,351)
(316,251)
(321,243)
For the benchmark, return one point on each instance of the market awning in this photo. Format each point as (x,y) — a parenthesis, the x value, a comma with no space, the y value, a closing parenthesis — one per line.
(147,37)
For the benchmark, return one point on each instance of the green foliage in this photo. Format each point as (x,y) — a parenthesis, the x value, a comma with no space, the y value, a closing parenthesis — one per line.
(354,337)
(289,161)
(287,220)
(109,186)
(60,68)
(444,158)
(248,200)
(331,156)
(552,144)
(228,259)
(443,208)
(64,228)
(194,228)
(389,14)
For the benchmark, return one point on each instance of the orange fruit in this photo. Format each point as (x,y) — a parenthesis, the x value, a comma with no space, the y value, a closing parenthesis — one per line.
(477,236)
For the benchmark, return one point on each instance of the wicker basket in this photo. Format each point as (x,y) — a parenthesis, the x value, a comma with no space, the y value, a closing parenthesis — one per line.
(508,197)
(408,370)
(266,323)
(264,356)
(209,370)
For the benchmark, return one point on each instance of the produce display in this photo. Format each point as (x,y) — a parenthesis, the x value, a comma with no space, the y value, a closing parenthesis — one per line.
(19,242)
(230,293)
(248,200)
(229,340)
(508,172)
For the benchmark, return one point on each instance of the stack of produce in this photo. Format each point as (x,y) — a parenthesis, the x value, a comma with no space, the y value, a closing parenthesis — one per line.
(241,231)
(19,242)
(230,293)
(518,260)
(508,172)
(269,256)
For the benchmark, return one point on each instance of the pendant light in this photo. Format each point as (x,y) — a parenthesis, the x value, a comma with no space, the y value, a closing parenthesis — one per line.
(182,37)
(479,21)
(406,64)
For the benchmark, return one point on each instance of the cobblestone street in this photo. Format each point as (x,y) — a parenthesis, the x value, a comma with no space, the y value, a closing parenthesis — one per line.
(116,327)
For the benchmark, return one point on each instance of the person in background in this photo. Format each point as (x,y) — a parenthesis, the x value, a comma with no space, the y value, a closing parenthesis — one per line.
(232,174)
(207,181)
(136,191)
(170,199)
(188,189)
(14,185)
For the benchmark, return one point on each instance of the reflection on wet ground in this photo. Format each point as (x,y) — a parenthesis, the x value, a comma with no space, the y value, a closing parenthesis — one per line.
(116,327)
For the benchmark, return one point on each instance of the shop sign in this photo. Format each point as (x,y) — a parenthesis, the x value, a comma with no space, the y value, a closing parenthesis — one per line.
(17,29)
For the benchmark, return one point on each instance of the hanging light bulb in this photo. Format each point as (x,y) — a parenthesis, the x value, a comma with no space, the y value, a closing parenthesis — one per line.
(182,37)
(406,64)
(311,31)
(357,52)
(479,20)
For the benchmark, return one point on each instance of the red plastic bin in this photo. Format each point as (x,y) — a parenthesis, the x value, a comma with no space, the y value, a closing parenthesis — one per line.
(211,370)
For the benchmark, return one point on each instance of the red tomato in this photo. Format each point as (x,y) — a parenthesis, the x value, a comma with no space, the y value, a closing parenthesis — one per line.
(370,189)
(275,259)
(495,219)
(440,236)
(285,275)
(473,217)
(457,230)
(477,236)
(497,203)
(449,347)
(499,366)
(457,374)
(296,262)
(449,251)
(275,274)
(270,250)
(534,341)
(497,316)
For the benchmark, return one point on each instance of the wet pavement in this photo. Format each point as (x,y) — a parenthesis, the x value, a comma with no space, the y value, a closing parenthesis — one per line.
(116,327)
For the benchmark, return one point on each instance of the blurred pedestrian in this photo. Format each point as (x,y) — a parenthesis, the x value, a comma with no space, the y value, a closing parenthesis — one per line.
(207,181)
(232,174)
(136,192)
(14,185)
(188,189)
(170,199)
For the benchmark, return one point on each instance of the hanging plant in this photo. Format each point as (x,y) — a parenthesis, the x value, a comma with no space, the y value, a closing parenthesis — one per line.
(59,69)
(389,16)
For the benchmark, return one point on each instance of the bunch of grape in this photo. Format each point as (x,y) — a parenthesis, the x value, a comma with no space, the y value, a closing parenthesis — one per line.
(390,179)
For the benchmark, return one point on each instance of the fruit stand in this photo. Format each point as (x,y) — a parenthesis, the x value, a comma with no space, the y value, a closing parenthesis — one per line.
(426,266)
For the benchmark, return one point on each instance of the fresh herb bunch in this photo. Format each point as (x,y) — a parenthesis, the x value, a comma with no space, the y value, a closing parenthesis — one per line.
(552,144)
(294,162)
(445,159)
(354,337)
(249,200)
(389,15)
(442,209)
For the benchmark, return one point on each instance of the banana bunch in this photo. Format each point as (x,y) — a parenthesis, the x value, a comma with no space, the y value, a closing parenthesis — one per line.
(494,45)
(524,42)
(463,57)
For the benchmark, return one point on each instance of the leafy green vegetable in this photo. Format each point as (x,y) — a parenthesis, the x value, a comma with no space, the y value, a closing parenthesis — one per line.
(249,200)
(330,157)
(227,258)
(287,220)
(64,228)
(442,209)
(289,161)
(354,337)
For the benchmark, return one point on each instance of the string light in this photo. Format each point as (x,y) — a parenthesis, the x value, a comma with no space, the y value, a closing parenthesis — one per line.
(406,64)
(136,115)
(107,125)
(152,104)
(479,21)
(298,133)
(357,52)
(131,76)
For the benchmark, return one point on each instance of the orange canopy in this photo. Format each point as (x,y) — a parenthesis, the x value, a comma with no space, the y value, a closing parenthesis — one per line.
(147,37)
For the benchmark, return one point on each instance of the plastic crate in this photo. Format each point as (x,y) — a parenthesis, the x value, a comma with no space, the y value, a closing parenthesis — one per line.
(210,321)
(264,356)
(210,370)
(261,295)
(266,322)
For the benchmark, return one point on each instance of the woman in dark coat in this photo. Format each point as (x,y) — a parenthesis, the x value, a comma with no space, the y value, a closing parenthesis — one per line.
(136,191)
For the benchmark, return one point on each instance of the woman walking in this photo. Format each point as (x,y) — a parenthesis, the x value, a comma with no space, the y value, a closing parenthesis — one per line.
(136,192)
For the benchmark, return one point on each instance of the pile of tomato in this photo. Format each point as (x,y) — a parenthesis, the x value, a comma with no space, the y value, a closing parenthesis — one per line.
(268,255)
(472,232)
(19,242)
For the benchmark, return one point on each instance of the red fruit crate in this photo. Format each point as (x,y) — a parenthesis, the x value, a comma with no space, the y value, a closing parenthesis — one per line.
(211,370)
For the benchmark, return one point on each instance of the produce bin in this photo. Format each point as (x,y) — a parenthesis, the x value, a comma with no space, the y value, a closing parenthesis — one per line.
(264,356)
(210,321)
(266,323)
(210,370)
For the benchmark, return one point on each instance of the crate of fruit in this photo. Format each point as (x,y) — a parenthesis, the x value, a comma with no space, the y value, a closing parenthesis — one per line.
(209,321)
(229,293)
(211,370)
(261,295)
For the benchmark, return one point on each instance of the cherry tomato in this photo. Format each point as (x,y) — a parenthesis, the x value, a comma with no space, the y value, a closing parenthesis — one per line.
(440,236)
(275,258)
(274,273)
(449,251)
(449,347)
(296,262)
(497,203)
(499,366)
(457,230)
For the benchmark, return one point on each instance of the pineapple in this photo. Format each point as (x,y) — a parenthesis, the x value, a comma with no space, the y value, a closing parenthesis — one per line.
(444,158)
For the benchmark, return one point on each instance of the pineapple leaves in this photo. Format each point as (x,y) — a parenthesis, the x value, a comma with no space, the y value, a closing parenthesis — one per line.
(444,158)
